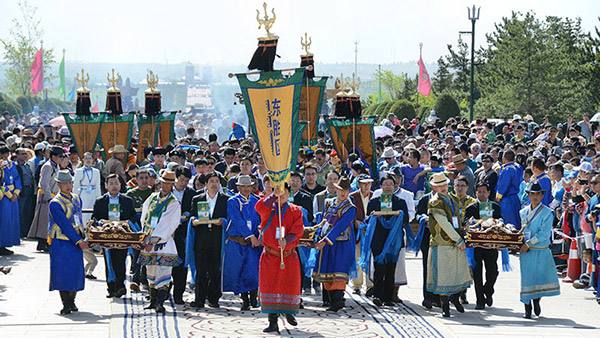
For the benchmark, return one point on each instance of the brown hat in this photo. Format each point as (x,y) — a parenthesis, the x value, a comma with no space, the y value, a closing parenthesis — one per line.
(167,176)
(438,179)
(458,159)
(343,184)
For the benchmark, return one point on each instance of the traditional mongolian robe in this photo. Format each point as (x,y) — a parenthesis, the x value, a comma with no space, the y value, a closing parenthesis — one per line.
(447,268)
(337,261)
(240,261)
(507,193)
(65,231)
(10,224)
(160,218)
(47,189)
(538,272)
(279,289)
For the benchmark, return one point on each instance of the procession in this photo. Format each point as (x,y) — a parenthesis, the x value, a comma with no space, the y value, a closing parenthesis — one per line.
(314,210)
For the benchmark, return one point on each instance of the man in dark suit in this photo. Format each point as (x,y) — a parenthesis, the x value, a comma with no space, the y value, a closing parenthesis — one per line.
(484,209)
(184,195)
(383,276)
(208,226)
(360,198)
(114,206)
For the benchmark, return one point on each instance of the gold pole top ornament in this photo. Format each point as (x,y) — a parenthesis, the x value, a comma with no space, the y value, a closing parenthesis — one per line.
(113,80)
(306,42)
(152,81)
(266,22)
(346,86)
(82,81)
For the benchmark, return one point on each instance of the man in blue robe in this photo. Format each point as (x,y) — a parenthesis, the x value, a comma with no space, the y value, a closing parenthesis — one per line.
(10,224)
(538,167)
(507,190)
(66,239)
(242,251)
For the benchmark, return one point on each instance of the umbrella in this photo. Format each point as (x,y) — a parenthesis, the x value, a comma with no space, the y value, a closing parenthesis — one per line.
(58,121)
(595,118)
(383,131)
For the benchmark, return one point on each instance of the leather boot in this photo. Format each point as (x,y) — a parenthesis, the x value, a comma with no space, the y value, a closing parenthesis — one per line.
(337,300)
(245,301)
(291,319)
(161,296)
(395,297)
(537,309)
(455,300)
(527,311)
(254,299)
(273,326)
(72,305)
(64,297)
(152,305)
(326,298)
(445,306)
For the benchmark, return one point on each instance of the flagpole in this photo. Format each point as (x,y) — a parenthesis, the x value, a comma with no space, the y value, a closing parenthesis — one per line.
(64,88)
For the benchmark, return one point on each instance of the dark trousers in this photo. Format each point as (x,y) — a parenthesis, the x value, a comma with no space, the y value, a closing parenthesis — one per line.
(384,281)
(208,275)
(117,260)
(136,268)
(179,275)
(425,252)
(26,207)
(490,258)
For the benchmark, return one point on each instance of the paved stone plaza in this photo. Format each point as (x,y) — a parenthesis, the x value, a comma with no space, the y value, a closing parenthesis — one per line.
(27,309)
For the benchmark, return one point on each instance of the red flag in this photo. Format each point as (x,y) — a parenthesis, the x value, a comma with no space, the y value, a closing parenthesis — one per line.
(424,87)
(37,73)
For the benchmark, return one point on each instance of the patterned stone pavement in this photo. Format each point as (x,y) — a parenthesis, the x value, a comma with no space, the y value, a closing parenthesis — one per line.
(27,309)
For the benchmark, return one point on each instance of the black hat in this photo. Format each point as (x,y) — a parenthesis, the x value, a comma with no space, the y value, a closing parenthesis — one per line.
(534,187)
(159,151)
(57,151)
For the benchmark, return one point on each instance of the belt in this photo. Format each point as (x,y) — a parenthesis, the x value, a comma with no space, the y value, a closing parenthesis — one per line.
(238,239)
(277,253)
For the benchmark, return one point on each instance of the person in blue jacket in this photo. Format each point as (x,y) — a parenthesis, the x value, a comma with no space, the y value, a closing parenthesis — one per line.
(67,242)
(336,261)
(538,167)
(242,247)
(10,188)
(507,190)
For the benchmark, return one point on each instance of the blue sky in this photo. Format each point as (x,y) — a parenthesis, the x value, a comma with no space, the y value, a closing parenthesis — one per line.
(225,31)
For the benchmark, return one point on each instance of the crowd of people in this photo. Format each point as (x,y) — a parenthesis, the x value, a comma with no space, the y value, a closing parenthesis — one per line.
(214,218)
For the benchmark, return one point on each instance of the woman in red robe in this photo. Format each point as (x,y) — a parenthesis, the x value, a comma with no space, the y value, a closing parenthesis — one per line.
(279,289)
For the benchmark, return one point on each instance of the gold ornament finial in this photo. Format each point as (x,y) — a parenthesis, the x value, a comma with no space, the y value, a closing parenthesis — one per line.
(82,81)
(306,42)
(113,80)
(354,84)
(266,22)
(345,86)
(152,81)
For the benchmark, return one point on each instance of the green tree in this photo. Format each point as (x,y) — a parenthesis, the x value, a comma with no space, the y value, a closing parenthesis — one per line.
(19,51)
(393,84)
(442,79)
(536,66)
(446,107)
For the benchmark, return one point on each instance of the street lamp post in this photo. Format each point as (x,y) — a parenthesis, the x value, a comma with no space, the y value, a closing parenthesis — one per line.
(473,16)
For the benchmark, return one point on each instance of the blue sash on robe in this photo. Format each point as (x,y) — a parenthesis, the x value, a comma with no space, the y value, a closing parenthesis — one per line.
(392,246)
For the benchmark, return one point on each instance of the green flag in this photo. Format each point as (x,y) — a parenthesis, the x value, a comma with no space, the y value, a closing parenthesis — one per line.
(61,76)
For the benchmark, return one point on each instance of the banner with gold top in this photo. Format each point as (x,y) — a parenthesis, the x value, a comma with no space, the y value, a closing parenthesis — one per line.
(84,130)
(116,129)
(272,104)
(354,136)
(311,101)
(147,133)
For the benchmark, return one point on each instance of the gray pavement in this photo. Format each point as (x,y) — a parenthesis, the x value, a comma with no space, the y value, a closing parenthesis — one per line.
(28,309)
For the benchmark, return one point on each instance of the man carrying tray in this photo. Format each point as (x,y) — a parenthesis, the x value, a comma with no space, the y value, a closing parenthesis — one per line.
(114,206)
(161,214)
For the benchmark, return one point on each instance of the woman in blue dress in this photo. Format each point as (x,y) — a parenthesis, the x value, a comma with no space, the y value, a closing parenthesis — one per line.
(538,272)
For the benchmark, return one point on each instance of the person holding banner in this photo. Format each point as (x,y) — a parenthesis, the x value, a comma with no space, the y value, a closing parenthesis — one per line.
(241,252)
(336,261)
(279,283)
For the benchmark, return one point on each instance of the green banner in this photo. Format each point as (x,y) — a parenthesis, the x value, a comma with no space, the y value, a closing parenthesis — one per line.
(272,103)
(311,101)
(84,130)
(355,136)
(116,129)
(166,129)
